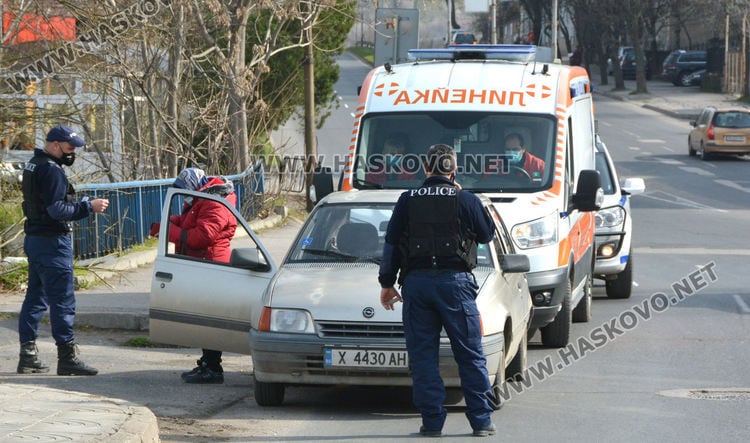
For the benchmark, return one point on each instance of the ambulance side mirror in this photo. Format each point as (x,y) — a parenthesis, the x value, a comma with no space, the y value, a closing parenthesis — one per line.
(589,194)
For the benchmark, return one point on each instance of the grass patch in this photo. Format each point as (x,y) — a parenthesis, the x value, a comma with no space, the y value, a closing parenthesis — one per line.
(139,342)
(366,54)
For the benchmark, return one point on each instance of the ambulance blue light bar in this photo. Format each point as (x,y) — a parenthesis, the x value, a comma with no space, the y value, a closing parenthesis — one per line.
(514,53)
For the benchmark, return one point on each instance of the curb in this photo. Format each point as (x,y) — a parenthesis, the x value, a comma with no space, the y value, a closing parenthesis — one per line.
(75,415)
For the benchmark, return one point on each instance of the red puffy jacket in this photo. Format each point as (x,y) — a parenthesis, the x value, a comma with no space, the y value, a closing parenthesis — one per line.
(205,229)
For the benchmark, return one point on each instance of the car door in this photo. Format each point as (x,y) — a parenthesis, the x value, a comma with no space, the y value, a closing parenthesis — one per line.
(201,303)
(696,134)
(517,284)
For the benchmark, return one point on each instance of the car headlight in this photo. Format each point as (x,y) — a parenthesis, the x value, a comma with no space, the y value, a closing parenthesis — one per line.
(290,321)
(610,217)
(537,233)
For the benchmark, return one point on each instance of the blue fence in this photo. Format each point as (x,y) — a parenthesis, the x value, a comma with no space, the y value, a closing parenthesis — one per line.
(133,206)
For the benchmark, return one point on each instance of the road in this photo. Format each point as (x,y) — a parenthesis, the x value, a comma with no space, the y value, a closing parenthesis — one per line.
(669,364)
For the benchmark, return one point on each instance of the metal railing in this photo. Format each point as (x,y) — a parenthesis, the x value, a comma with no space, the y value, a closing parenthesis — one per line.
(134,205)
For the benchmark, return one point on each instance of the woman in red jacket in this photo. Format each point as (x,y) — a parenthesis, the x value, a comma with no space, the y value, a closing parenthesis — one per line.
(204,230)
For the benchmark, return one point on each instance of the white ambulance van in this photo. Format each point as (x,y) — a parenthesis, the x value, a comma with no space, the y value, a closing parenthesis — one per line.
(472,98)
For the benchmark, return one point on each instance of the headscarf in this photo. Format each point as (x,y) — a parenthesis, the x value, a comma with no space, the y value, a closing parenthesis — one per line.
(191,179)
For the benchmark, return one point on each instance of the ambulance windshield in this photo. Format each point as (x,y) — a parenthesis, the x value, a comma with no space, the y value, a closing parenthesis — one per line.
(497,152)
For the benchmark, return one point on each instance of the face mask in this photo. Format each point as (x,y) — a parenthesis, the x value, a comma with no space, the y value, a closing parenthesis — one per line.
(513,156)
(68,159)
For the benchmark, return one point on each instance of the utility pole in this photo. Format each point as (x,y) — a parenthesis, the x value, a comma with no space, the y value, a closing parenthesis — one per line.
(311,150)
(493,11)
(554,29)
(450,22)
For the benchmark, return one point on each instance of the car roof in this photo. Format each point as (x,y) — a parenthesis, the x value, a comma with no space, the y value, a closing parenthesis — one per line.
(728,109)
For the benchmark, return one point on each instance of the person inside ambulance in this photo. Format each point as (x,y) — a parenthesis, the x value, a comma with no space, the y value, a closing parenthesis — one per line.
(391,166)
(520,161)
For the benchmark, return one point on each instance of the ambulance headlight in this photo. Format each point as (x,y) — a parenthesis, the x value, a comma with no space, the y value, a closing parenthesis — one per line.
(537,233)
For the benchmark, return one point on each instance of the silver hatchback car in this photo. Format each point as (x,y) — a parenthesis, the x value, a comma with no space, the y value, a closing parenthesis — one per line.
(317,319)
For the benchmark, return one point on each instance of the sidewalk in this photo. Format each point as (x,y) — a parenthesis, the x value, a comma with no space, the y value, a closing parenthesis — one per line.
(675,101)
(39,413)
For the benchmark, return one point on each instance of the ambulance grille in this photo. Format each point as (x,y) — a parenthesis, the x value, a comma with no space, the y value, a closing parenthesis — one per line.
(360,329)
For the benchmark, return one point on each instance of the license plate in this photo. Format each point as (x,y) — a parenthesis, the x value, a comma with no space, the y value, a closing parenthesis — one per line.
(365,358)
(734,138)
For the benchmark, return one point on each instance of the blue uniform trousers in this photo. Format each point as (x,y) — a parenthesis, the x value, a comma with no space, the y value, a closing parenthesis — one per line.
(50,284)
(436,299)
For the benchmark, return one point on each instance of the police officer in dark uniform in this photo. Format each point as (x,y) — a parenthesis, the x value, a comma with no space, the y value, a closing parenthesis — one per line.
(49,208)
(432,239)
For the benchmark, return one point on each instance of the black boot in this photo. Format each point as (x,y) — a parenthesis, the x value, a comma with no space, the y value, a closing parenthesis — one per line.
(206,375)
(193,371)
(69,364)
(29,362)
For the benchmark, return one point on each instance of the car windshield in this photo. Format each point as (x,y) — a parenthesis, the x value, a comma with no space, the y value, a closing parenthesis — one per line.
(608,184)
(734,119)
(392,148)
(343,233)
(348,233)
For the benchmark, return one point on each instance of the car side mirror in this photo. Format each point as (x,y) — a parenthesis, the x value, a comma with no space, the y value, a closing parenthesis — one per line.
(633,186)
(513,263)
(250,259)
(589,194)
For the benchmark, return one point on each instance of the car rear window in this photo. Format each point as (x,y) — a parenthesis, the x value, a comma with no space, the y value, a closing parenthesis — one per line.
(735,119)
(464,38)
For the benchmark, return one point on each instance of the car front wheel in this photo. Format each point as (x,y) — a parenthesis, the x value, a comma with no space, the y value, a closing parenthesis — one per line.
(500,387)
(269,394)
(621,286)
(516,367)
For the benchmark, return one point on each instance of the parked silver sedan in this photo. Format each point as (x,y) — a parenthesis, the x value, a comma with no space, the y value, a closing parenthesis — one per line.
(317,320)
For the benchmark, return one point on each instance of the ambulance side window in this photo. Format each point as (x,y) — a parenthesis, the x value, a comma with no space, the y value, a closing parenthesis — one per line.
(569,166)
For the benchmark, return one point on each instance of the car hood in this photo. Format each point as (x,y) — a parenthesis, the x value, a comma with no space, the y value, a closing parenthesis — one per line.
(335,292)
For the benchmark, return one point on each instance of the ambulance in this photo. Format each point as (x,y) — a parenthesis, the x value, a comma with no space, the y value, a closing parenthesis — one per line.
(473,98)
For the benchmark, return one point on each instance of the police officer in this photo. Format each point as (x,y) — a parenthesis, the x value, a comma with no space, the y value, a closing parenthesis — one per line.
(49,208)
(432,239)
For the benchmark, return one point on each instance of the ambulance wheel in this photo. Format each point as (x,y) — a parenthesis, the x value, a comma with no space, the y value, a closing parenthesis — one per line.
(557,333)
(582,312)
(622,285)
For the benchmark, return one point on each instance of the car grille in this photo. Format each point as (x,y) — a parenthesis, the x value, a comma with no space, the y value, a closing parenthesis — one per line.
(331,329)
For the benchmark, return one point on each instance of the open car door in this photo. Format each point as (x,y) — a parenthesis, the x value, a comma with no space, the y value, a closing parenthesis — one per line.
(201,303)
